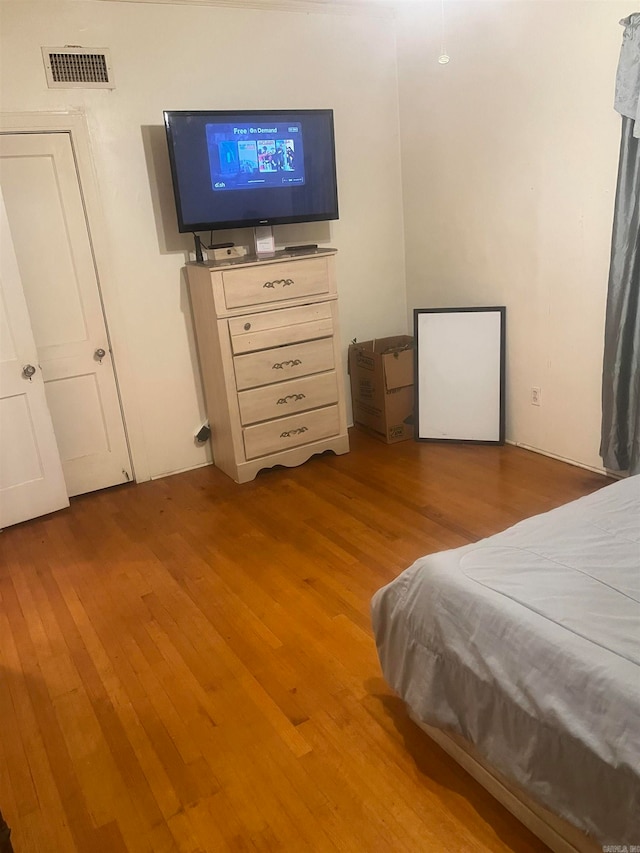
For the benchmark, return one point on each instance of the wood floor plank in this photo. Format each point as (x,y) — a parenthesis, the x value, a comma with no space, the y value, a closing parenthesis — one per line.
(72,796)
(12,700)
(137,761)
(187,665)
(112,715)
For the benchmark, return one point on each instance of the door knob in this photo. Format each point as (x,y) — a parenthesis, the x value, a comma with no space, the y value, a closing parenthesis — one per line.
(28,370)
(99,354)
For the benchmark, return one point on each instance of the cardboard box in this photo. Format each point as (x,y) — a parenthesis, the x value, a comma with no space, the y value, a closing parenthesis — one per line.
(381,374)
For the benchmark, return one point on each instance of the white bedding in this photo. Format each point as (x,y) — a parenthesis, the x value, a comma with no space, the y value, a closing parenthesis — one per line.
(528,644)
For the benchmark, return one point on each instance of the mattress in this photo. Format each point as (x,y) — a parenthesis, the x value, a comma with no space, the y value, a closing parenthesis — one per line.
(528,645)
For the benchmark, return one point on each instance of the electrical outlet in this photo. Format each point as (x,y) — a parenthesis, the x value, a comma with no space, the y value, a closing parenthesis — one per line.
(536,395)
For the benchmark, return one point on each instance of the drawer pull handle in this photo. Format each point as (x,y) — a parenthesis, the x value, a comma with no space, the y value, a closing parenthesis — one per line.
(293,362)
(247,326)
(291,432)
(295,397)
(285,282)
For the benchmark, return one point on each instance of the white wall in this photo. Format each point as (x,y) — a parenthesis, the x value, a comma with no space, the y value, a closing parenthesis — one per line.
(509,170)
(509,158)
(188,57)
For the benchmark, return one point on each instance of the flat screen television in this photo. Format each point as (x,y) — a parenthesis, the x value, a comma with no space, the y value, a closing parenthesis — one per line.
(251,168)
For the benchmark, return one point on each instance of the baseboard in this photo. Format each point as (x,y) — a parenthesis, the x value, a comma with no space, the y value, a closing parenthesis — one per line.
(573,462)
(179,471)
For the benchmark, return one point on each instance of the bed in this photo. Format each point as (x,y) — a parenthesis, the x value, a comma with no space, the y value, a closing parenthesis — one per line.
(520,654)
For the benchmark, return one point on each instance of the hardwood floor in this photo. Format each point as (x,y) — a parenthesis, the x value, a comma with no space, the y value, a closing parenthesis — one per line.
(187,664)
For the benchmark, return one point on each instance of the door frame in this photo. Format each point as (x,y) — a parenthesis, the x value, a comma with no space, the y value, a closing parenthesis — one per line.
(75,123)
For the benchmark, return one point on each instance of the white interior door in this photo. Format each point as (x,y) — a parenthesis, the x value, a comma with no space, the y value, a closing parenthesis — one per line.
(52,242)
(31,479)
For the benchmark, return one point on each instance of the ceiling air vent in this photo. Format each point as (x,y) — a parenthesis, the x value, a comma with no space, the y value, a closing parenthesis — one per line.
(77,68)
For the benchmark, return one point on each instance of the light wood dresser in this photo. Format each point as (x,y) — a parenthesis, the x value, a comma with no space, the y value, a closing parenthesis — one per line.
(270,355)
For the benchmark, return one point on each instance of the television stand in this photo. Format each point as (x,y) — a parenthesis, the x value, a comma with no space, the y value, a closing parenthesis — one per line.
(265,241)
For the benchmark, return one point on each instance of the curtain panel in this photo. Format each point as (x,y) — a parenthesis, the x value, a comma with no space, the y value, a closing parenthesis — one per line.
(627,97)
(620,444)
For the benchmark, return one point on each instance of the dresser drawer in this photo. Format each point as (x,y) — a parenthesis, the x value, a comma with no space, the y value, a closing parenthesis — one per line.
(275,365)
(287,398)
(284,326)
(275,282)
(285,433)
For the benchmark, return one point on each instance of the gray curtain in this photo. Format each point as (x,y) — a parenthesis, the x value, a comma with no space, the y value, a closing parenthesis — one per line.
(620,446)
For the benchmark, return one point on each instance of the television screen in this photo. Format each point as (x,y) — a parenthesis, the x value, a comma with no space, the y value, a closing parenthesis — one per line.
(240,168)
